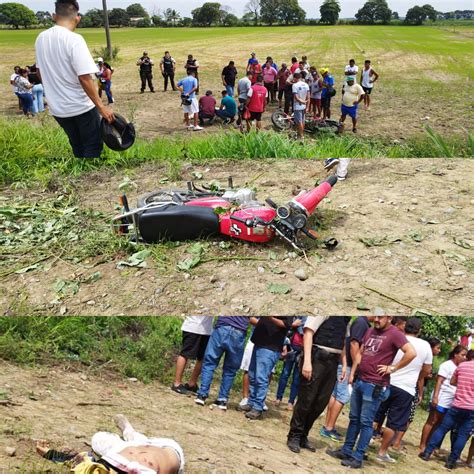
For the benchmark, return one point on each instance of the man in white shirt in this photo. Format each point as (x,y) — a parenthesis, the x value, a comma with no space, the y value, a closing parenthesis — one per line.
(351,69)
(67,70)
(196,332)
(403,387)
(367,79)
(300,102)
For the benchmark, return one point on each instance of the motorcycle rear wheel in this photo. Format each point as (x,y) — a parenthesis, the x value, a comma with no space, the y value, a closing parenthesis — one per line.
(281,121)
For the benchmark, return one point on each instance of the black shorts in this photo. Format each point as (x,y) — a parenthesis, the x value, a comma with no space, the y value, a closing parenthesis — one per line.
(326,102)
(193,346)
(399,406)
(367,90)
(256,116)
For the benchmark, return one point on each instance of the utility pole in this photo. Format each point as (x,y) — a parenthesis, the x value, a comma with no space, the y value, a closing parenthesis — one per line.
(107,28)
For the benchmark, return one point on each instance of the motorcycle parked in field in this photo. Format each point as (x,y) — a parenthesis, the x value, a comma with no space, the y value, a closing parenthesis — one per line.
(194,213)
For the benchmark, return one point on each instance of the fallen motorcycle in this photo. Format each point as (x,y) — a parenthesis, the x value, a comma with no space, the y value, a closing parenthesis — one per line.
(282,122)
(194,213)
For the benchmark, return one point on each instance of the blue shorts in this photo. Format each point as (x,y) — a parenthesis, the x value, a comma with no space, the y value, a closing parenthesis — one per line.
(351,111)
(341,389)
(299,116)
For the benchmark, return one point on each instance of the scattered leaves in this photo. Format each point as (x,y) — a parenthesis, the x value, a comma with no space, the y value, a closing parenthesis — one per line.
(135,260)
(278,288)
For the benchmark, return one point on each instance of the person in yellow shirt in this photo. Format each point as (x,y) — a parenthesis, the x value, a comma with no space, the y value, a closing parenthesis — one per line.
(352,96)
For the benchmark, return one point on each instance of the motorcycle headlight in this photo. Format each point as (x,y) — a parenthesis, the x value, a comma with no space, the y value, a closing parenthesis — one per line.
(283,212)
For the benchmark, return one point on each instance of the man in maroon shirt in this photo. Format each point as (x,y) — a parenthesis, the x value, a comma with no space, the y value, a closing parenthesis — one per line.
(373,363)
(207,108)
(256,99)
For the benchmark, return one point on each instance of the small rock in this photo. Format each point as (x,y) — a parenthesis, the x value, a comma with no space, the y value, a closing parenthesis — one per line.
(449,210)
(91,302)
(414,201)
(83,377)
(10,451)
(301,274)
(458,273)
(133,379)
(213,279)
(261,270)
(292,254)
(187,276)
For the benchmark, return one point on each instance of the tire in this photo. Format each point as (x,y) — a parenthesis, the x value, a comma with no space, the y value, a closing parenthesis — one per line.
(280,120)
(155,197)
(329,126)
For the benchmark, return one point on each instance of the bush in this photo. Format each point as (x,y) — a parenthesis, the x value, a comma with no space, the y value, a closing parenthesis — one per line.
(103,52)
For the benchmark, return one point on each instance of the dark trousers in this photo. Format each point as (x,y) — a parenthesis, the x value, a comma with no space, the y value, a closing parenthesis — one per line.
(146,76)
(169,76)
(288,98)
(84,134)
(314,394)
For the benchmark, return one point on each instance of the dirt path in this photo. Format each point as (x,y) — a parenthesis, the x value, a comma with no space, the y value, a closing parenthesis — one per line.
(414,215)
(46,403)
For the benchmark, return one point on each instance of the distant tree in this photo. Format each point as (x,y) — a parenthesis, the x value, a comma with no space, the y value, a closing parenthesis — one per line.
(186,22)
(171,16)
(16,14)
(157,20)
(119,17)
(374,11)
(329,11)
(229,19)
(92,19)
(430,12)
(207,14)
(253,8)
(269,11)
(43,17)
(415,16)
(144,23)
(382,12)
(136,10)
(290,12)
(395,16)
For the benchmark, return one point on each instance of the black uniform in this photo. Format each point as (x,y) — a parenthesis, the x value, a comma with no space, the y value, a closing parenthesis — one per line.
(146,73)
(192,63)
(168,72)
(314,394)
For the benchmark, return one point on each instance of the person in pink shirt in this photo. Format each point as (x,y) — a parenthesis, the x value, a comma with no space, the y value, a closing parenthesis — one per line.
(459,418)
(270,75)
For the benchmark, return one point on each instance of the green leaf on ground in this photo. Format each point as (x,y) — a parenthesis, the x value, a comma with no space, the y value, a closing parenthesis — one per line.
(189,263)
(462,243)
(362,305)
(136,260)
(278,288)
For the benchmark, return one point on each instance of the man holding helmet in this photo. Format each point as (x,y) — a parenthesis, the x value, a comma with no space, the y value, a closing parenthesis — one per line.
(146,72)
(67,71)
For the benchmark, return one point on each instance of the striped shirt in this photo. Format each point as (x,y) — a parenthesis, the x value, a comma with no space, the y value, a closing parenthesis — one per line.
(464,397)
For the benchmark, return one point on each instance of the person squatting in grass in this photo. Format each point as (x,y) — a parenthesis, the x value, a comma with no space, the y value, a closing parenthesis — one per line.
(367,79)
(227,109)
(207,108)
(323,349)
(132,452)
(146,72)
(189,86)
(352,96)
(374,366)
(66,69)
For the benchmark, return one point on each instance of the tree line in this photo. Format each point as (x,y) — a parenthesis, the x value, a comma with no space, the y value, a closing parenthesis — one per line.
(257,12)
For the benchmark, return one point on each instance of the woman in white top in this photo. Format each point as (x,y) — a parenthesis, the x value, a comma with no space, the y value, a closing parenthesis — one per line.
(443,394)
(23,88)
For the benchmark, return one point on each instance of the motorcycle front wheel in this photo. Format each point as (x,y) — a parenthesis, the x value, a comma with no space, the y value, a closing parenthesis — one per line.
(281,121)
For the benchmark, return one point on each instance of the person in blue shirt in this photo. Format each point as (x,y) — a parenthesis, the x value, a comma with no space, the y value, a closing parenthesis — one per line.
(188,87)
(228,108)
(327,93)
(252,60)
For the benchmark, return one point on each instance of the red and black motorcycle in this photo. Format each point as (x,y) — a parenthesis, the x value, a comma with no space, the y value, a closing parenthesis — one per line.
(195,213)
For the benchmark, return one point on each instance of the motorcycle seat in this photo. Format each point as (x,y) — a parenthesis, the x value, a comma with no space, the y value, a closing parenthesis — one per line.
(173,222)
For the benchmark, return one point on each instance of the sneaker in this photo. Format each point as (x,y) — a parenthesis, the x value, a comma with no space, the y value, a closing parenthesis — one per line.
(201,401)
(341,178)
(243,402)
(471,466)
(221,404)
(338,454)
(265,407)
(330,434)
(226,121)
(352,463)
(330,163)
(385,458)
(193,388)
(190,127)
(253,414)
(197,127)
(181,389)
(294,445)
(354,130)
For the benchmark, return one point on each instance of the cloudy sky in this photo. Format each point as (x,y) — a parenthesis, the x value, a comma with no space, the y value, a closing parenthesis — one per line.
(349,7)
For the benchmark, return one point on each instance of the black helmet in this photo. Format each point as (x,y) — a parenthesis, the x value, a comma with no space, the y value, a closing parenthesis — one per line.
(118,135)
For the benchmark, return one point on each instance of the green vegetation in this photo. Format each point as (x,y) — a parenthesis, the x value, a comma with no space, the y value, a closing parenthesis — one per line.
(40,152)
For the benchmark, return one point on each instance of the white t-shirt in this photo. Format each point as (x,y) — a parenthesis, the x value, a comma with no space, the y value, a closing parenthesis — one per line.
(353,70)
(366,75)
(447,391)
(61,57)
(407,378)
(243,86)
(301,90)
(198,325)
(12,78)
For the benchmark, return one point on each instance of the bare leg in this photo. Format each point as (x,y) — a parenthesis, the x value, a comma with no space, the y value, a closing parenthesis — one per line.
(186,119)
(354,124)
(195,120)
(333,412)
(397,441)
(193,381)
(259,125)
(245,385)
(387,438)
(434,419)
(180,366)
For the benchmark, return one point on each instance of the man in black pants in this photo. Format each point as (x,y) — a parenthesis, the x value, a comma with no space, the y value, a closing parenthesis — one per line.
(323,347)
(168,67)
(146,72)
(65,66)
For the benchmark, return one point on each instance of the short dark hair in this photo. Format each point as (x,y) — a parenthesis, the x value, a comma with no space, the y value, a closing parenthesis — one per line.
(413,326)
(470,355)
(294,59)
(249,73)
(259,78)
(17,67)
(191,71)
(231,63)
(167,52)
(367,61)
(224,92)
(66,8)
(22,71)
(399,319)
(352,60)
(297,75)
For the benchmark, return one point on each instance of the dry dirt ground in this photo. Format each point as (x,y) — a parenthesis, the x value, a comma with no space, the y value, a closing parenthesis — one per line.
(418,214)
(67,407)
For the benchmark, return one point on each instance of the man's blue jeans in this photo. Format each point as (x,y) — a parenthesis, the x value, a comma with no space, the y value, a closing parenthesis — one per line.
(230,90)
(456,418)
(261,366)
(291,365)
(224,114)
(364,406)
(224,340)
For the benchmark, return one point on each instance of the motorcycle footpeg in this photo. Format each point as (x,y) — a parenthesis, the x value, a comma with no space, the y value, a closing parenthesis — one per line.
(330,243)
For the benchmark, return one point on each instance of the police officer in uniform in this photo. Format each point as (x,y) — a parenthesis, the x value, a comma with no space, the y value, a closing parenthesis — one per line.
(146,72)
(324,347)
(168,67)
